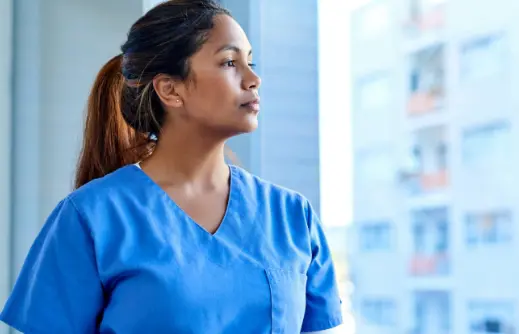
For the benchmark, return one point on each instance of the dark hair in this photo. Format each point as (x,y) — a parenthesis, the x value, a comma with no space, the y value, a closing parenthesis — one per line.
(124,113)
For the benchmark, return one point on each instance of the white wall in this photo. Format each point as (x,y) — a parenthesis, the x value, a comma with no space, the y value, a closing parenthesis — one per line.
(59,49)
(5,147)
(74,48)
(149,4)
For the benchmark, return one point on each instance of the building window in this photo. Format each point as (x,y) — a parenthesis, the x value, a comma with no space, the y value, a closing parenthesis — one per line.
(489,228)
(379,312)
(430,232)
(375,237)
(426,169)
(374,92)
(491,317)
(483,57)
(432,312)
(426,80)
(487,145)
(424,16)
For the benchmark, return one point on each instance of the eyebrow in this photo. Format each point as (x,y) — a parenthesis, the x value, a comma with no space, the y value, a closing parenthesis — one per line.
(230,47)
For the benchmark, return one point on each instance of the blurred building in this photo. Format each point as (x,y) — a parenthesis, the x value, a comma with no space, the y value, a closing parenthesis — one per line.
(50,52)
(436,201)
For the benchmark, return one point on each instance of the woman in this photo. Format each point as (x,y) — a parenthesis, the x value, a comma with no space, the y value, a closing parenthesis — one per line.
(161,235)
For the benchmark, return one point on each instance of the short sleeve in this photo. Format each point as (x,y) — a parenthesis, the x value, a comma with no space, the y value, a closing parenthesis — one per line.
(58,290)
(323,304)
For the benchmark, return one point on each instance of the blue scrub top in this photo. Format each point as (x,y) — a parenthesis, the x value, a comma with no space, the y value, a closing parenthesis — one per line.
(119,256)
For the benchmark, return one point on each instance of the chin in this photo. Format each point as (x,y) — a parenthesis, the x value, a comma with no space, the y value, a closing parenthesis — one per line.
(246,125)
(243,129)
(243,125)
(251,125)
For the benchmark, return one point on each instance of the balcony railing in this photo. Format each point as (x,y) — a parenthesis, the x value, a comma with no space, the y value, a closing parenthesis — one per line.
(423,102)
(425,182)
(429,265)
(433,19)
(434,180)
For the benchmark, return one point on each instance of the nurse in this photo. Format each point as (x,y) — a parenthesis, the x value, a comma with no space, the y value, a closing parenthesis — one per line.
(161,235)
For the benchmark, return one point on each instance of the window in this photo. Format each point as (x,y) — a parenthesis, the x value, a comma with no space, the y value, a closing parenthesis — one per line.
(430,230)
(375,237)
(432,312)
(489,228)
(487,145)
(430,234)
(437,157)
(374,92)
(425,15)
(491,317)
(379,312)
(426,166)
(483,57)
(426,80)
(427,70)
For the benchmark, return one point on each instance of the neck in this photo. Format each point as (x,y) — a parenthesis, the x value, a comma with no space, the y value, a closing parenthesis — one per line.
(188,156)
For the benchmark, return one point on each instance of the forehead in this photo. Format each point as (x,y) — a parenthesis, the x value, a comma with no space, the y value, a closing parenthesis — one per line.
(226,31)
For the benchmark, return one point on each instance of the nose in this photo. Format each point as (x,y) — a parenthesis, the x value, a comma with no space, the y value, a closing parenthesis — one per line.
(251,80)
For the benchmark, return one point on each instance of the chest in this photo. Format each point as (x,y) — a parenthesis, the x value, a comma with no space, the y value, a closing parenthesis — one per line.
(205,208)
(162,273)
(200,296)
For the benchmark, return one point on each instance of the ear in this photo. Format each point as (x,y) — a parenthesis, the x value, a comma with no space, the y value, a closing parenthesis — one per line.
(168,90)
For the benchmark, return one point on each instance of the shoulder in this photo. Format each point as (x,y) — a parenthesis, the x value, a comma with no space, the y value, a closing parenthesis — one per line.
(103,198)
(264,187)
(114,184)
(275,196)
(283,218)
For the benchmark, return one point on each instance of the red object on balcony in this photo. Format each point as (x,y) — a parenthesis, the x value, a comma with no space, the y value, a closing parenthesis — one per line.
(423,265)
(430,20)
(420,103)
(434,181)
(433,19)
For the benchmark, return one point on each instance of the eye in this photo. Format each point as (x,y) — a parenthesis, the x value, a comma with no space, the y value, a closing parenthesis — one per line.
(230,63)
(252,65)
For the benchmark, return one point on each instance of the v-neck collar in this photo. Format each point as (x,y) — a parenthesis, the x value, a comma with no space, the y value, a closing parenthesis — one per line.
(232,239)
(229,206)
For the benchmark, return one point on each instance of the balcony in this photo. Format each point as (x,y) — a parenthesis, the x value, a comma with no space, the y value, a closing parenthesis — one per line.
(432,312)
(434,180)
(424,16)
(426,81)
(430,235)
(426,170)
(426,182)
(429,265)
(423,102)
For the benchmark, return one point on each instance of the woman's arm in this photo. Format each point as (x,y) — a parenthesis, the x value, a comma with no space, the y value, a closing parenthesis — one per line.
(323,304)
(58,289)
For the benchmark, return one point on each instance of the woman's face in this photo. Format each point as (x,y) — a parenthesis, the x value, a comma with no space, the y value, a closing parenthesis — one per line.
(221,93)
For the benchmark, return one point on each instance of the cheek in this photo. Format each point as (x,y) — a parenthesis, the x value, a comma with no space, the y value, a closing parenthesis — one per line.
(220,91)
(215,94)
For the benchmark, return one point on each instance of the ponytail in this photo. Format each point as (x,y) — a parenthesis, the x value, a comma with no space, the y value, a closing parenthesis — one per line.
(108,141)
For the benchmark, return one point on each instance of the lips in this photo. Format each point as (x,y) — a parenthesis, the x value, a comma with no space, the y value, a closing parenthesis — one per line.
(253,105)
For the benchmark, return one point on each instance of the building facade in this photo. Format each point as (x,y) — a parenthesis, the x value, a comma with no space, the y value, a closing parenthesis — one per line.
(435,202)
